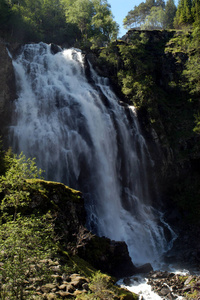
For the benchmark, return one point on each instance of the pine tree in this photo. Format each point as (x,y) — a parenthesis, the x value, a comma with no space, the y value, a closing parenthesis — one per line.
(184,14)
(196,12)
(170,12)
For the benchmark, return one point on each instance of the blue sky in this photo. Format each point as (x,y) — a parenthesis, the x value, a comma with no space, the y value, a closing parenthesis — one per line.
(120,9)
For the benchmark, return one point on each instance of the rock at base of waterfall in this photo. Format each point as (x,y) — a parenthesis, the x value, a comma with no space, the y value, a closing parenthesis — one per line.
(55,48)
(108,256)
(146,268)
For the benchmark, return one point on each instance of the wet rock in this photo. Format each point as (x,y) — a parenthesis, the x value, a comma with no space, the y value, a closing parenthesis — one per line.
(127,281)
(55,48)
(108,256)
(188,280)
(164,291)
(146,268)
(187,288)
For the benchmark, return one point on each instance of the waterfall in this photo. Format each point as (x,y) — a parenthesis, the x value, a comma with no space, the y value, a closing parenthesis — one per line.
(82,136)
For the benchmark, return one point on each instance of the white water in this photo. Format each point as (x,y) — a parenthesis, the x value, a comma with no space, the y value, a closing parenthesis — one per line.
(82,136)
(141,288)
(139,285)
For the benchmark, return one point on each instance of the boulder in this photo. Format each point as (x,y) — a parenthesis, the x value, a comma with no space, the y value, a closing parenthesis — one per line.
(146,268)
(108,256)
(55,48)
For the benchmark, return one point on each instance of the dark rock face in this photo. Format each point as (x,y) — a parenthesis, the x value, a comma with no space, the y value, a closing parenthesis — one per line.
(67,209)
(146,268)
(108,256)
(7,90)
(55,49)
(188,248)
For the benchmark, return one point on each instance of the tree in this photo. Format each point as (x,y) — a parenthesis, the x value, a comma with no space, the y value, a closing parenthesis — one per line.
(170,12)
(52,21)
(13,185)
(80,12)
(24,244)
(196,12)
(155,20)
(183,14)
(139,15)
(93,18)
(25,241)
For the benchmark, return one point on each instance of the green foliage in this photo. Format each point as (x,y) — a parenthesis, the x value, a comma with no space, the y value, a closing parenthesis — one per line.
(183,14)
(185,47)
(24,244)
(94,20)
(134,67)
(170,12)
(197,121)
(155,19)
(157,15)
(5,13)
(101,287)
(2,160)
(151,15)
(58,21)
(192,73)
(13,184)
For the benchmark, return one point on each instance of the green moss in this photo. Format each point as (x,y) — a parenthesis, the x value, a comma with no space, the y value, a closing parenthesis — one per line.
(52,186)
(124,294)
(81,266)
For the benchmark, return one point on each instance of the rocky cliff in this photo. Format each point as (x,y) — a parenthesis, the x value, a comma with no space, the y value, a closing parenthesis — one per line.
(66,207)
(7,89)
(166,116)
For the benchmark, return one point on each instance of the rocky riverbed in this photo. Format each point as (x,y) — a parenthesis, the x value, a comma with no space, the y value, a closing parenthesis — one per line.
(164,285)
(172,286)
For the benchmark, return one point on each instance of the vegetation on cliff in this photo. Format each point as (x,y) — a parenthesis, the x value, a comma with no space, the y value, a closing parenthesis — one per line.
(158,72)
(41,230)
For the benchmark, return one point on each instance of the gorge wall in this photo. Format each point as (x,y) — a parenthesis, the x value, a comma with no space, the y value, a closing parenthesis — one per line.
(148,67)
(167,124)
(7,89)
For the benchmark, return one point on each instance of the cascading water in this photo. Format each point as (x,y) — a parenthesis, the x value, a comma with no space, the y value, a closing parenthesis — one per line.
(83,137)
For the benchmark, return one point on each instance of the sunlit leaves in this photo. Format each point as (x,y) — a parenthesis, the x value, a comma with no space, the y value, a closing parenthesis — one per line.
(93,18)
(13,185)
(24,244)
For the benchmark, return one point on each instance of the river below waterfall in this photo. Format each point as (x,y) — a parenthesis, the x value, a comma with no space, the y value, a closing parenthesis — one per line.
(82,136)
